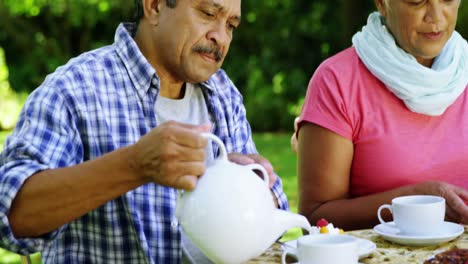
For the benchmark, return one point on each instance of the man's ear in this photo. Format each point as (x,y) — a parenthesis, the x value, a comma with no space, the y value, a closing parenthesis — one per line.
(151,9)
(381,7)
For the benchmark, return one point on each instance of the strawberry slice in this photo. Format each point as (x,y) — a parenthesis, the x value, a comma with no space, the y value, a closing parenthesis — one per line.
(322,222)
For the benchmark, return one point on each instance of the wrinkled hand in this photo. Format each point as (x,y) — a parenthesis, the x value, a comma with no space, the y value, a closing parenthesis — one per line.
(173,154)
(244,159)
(456,199)
(293,136)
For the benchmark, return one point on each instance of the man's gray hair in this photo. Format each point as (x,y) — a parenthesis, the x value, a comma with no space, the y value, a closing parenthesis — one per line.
(139,8)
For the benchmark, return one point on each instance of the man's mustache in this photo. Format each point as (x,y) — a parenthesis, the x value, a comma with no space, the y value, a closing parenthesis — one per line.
(210,50)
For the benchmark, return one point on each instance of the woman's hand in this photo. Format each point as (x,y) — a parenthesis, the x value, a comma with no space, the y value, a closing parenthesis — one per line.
(293,136)
(456,198)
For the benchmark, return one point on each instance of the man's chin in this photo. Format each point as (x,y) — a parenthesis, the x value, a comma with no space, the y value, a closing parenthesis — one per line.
(202,75)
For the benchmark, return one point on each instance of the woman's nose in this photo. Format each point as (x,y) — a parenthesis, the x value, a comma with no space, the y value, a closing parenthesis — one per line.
(434,13)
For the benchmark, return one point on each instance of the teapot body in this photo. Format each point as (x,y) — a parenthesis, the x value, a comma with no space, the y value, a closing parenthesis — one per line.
(227,214)
(231,215)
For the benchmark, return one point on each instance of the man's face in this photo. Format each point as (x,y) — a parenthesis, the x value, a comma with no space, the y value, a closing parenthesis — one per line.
(193,38)
(421,27)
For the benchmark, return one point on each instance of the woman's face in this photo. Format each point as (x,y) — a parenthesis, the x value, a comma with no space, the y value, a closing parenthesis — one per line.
(420,27)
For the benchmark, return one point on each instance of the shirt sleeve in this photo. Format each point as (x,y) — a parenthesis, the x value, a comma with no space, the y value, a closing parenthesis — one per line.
(42,139)
(325,105)
(241,140)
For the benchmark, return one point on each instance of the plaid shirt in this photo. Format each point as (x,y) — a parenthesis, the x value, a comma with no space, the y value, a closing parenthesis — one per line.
(99,102)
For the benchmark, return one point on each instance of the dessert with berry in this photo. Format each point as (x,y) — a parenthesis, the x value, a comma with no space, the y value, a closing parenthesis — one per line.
(324,227)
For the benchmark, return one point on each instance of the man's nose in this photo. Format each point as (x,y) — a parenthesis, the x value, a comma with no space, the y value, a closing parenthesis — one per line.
(220,34)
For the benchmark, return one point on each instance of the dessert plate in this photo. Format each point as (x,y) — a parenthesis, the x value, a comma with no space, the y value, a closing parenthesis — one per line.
(365,246)
(447,232)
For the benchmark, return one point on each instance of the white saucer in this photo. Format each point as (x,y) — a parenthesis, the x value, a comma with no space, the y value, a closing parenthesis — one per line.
(447,232)
(365,246)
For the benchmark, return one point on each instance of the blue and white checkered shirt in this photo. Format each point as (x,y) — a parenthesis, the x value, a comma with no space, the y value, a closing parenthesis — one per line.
(98,102)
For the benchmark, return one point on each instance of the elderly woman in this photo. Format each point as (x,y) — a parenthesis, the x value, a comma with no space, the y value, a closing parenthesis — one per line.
(388,117)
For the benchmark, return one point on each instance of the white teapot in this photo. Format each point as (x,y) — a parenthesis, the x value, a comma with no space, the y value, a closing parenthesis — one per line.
(230,215)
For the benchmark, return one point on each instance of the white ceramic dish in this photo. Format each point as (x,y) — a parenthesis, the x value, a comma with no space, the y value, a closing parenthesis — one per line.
(447,232)
(365,246)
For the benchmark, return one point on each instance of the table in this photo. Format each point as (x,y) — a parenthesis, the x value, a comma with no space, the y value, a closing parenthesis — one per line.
(386,252)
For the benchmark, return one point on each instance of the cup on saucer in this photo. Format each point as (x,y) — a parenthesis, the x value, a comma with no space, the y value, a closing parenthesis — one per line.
(328,248)
(415,214)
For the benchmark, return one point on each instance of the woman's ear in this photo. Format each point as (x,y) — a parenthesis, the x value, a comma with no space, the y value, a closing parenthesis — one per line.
(381,7)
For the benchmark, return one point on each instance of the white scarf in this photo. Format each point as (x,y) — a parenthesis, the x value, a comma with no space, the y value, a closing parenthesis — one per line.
(428,91)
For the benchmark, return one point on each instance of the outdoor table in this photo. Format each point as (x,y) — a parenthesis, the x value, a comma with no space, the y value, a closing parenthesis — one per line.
(386,252)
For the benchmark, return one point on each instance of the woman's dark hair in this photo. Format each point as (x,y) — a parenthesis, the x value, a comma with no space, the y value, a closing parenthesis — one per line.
(139,8)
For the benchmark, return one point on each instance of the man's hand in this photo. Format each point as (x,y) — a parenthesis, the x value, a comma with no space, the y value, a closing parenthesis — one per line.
(456,198)
(244,159)
(173,154)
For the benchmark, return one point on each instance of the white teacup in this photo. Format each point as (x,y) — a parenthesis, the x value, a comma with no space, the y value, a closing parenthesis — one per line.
(416,214)
(324,248)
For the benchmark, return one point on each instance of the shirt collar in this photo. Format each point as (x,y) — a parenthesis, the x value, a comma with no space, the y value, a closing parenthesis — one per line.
(141,72)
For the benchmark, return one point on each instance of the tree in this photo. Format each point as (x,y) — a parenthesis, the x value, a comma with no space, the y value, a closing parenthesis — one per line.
(273,55)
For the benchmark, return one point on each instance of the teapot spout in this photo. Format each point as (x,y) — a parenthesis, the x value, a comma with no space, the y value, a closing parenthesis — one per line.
(287,220)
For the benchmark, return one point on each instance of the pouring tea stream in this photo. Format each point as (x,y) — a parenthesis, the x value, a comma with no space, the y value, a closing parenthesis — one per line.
(231,215)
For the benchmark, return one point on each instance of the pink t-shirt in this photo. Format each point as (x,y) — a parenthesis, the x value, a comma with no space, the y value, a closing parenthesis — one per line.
(392,145)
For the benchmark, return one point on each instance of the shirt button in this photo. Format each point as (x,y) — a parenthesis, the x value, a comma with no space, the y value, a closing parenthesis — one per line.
(174,224)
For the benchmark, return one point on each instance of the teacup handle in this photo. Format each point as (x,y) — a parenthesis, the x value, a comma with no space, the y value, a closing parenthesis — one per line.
(385,206)
(288,251)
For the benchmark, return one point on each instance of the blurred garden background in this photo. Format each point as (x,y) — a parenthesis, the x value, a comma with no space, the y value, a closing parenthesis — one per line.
(274,53)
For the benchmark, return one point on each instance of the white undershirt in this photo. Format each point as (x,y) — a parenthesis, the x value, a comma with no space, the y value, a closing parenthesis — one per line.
(191,109)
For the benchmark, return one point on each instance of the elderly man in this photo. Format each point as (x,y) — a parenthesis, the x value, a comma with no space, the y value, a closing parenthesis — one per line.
(91,172)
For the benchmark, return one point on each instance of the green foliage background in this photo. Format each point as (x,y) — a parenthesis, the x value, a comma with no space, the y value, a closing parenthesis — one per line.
(274,52)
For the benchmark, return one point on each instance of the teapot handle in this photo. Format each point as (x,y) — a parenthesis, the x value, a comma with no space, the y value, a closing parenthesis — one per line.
(222,148)
(259,167)
(223,156)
